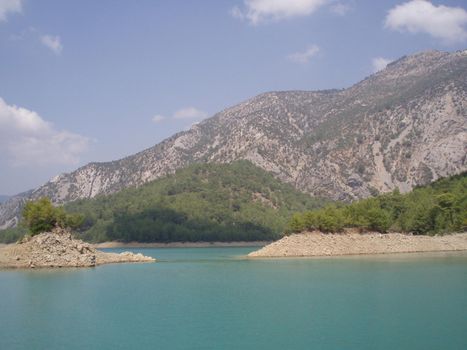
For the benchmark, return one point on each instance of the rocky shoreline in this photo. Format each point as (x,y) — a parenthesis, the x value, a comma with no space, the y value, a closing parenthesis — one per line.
(59,249)
(309,244)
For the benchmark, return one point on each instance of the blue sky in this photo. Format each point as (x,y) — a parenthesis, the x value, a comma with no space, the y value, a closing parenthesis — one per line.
(88,80)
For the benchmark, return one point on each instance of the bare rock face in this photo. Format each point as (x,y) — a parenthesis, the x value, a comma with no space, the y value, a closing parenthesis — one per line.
(401,127)
(59,249)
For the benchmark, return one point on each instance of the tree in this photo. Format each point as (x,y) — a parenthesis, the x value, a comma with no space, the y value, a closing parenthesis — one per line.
(296,223)
(378,220)
(330,219)
(440,207)
(41,216)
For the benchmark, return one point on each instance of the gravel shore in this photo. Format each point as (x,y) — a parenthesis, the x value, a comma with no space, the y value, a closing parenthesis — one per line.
(315,243)
(59,249)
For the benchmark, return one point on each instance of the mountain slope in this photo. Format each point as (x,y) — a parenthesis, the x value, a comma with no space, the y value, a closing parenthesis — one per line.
(203,202)
(401,127)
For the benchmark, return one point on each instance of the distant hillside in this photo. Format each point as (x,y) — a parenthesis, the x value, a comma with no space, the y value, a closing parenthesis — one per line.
(401,127)
(3,198)
(440,207)
(204,202)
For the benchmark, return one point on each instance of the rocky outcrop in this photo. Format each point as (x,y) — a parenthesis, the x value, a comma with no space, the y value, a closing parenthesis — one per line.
(315,243)
(59,249)
(401,127)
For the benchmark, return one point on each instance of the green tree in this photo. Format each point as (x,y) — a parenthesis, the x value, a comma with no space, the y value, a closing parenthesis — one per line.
(41,216)
(439,207)
(378,219)
(330,219)
(297,223)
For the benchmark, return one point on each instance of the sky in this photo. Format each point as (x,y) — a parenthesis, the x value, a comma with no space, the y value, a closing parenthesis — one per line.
(84,81)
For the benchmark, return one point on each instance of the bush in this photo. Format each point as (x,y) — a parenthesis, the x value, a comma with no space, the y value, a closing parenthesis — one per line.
(12,235)
(297,223)
(41,216)
(330,219)
(378,220)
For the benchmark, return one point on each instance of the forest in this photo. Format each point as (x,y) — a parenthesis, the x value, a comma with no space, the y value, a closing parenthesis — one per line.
(437,208)
(203,202)
(241,202)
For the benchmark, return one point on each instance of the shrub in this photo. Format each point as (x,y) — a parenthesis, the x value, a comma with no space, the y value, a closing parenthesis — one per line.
(378,220)
(41,216)
(330,219)
(297,223)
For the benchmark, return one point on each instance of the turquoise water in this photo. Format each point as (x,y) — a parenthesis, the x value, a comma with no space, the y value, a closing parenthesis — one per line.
(209,298)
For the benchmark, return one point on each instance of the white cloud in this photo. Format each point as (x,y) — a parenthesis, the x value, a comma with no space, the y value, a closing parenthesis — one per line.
(158,118)
(27,139)
(189,113)
(183,113)
(420,16)
(53,43)
(9,6)
(305,56)
(340,9)
(258,11)
(379,63)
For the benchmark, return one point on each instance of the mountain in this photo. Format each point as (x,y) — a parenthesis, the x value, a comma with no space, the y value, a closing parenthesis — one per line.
(203,202)
(401,127)
(3,198)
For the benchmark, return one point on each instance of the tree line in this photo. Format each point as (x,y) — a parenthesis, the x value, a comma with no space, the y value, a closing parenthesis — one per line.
(438,208)
(240,202)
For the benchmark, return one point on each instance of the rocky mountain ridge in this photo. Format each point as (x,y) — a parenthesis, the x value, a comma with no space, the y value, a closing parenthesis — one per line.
(401,127)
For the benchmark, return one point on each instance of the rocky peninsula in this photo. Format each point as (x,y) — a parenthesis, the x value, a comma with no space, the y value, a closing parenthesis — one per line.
(58,248)
(309,244)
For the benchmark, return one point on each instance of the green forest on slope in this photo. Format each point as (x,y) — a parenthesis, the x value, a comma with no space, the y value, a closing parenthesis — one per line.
(239,201)
(437,208)
(203,202)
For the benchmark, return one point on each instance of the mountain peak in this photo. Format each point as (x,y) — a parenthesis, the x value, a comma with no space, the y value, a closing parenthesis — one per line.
(399,128)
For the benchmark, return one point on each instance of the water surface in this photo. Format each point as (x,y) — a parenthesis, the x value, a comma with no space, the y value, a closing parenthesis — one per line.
(210,298)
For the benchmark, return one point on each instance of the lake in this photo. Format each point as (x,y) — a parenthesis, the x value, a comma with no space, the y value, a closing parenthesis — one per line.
(212,298)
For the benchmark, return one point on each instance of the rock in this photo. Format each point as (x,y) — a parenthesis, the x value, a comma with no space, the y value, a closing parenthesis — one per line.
(354,181)
(59,249)
(352,243)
